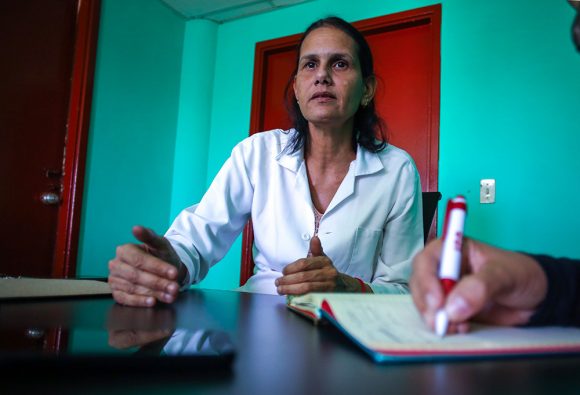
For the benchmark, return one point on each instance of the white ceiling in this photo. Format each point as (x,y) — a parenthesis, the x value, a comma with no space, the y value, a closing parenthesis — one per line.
(221,11)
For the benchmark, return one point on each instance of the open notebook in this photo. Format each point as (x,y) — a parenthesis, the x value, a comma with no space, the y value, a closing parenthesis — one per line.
(389,328)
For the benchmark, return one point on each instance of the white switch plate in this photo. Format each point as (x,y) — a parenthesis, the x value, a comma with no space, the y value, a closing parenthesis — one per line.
(487,191)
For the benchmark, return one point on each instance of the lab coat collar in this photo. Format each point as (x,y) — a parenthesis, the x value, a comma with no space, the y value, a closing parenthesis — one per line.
(290,160)
(366,162)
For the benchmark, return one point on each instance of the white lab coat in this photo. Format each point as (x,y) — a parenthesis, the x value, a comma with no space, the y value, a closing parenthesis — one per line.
(371,229)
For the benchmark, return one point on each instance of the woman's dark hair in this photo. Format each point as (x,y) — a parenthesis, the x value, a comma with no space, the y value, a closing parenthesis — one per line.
(366,120)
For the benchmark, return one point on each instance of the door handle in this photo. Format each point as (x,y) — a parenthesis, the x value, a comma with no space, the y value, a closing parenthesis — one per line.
(50,198)
(34,333)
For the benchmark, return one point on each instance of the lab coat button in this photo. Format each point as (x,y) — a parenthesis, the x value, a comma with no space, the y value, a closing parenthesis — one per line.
(305,236)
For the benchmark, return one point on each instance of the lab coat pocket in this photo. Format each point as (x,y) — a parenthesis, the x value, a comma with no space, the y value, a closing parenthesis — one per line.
(364,253)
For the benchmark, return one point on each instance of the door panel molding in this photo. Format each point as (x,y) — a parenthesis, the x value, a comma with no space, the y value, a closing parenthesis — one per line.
(69,215)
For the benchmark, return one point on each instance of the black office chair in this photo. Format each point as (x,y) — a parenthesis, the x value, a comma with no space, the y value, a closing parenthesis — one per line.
(430,202)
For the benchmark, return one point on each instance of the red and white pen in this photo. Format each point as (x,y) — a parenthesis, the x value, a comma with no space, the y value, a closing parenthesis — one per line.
(450,262)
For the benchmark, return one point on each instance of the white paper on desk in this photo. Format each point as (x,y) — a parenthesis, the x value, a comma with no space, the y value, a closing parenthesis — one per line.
(391,324)
(27,287)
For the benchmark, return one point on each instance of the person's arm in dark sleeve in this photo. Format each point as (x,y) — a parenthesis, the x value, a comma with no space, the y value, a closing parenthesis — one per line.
(562,303)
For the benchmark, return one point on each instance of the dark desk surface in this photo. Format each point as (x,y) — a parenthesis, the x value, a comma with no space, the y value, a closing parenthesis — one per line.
(278,352)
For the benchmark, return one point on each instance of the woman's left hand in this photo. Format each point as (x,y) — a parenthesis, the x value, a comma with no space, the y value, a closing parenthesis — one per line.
(315,273)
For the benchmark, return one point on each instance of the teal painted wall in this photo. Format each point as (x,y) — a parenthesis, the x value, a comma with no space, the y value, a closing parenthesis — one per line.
(131,146)
(510,79)
(510,98)
(193,127)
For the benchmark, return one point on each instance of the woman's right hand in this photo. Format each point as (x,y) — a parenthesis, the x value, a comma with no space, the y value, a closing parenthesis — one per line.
(140,275)
(315,273)
(497,286)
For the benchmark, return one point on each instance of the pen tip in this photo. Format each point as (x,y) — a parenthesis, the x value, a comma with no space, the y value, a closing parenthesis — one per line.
(441,323)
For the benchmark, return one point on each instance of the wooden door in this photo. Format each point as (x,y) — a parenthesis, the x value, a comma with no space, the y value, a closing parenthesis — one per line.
(406,50)
(46,78)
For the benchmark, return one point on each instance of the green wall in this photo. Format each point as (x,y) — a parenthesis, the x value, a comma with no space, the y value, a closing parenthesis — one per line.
(194,119)
(510,100)
(510,79)
(131,144)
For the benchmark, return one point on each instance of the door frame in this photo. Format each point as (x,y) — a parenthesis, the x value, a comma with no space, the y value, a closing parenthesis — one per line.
(430,14)
(78,122)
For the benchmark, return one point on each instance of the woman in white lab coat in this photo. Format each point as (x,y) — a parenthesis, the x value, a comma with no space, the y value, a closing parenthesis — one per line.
(333,209)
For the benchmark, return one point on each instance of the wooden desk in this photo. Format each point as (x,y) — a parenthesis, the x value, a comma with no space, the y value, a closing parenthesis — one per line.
(278,352)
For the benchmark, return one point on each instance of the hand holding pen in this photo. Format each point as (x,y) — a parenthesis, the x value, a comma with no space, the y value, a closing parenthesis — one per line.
(497,286)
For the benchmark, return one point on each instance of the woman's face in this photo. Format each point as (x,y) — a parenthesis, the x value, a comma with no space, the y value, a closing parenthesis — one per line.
(328,85)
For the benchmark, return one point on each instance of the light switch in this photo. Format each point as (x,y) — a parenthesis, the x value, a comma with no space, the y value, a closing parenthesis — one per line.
(487,191)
